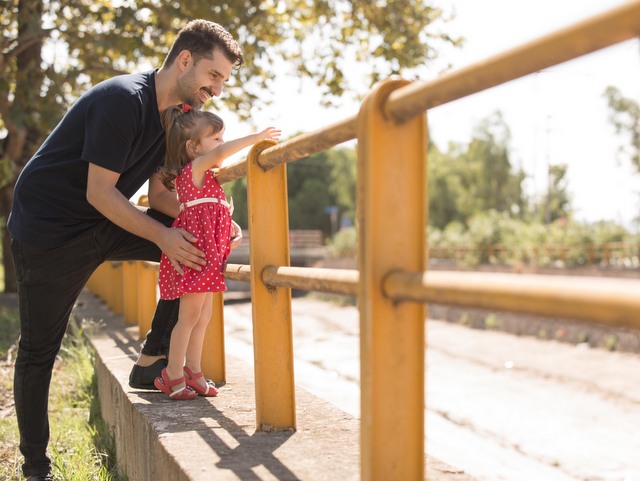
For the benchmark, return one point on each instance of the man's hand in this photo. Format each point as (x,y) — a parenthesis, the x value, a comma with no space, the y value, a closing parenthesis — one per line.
(177,244)
(236,235)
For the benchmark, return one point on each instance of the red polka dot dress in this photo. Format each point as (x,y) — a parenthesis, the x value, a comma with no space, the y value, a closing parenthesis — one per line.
(205,214)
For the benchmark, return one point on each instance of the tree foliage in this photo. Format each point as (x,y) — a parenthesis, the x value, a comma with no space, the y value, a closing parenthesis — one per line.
(556,204)
(476,177)
(625,117)
(496,238)
(52,51)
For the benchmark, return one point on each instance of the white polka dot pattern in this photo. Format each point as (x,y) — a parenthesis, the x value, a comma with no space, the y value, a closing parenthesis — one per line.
(210,223)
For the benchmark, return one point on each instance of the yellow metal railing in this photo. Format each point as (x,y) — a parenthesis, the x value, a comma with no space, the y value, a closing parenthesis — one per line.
(392,289)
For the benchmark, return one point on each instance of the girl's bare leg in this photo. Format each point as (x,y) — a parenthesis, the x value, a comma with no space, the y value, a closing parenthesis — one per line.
(188,318)
(194,349)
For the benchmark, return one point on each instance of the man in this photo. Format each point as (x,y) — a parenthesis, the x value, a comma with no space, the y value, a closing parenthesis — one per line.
(71,210)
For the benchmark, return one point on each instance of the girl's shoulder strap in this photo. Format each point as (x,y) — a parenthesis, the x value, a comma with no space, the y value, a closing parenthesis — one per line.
(185,176)
(187,169)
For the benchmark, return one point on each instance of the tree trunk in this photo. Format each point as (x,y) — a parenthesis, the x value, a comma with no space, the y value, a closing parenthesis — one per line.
(10,284)
(25,130)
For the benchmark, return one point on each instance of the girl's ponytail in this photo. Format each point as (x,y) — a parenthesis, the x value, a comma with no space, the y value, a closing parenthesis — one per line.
(175,154)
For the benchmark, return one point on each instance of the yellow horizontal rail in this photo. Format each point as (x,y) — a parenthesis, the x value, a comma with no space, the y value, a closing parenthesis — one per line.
(335,281)
(615,302)
(237,272)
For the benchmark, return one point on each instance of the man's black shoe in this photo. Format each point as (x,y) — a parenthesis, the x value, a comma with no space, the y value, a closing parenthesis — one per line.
(142,377)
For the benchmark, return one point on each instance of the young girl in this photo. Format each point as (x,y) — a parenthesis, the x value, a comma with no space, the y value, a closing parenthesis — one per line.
(194,147)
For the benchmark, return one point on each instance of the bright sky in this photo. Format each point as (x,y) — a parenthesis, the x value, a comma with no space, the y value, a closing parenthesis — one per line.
(556,116)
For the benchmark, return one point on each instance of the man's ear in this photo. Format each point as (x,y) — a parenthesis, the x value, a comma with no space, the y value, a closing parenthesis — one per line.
(184,59)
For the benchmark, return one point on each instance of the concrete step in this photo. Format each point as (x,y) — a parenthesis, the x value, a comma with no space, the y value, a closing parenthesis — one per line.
(158,439)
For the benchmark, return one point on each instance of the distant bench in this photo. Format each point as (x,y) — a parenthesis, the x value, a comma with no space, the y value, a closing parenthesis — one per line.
(297,238)
(306,247)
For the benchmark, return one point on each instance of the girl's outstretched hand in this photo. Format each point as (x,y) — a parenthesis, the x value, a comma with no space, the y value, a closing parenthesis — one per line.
(236,235)
(270,133)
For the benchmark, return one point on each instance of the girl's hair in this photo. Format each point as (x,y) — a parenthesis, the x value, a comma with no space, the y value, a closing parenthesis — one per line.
(201,37)
(182,124)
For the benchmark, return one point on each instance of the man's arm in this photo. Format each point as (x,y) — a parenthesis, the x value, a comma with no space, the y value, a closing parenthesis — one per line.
(162,199)
(109,201)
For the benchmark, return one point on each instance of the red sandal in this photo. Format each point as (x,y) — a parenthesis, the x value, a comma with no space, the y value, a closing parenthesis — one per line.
(165,384)
(192,381)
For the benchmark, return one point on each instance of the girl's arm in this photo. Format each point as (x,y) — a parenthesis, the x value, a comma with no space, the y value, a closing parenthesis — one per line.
(214,157)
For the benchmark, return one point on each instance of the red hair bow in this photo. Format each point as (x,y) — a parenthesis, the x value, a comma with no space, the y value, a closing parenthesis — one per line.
(186,108)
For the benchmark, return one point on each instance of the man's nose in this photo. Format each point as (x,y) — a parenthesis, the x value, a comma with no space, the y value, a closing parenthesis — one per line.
(216,88)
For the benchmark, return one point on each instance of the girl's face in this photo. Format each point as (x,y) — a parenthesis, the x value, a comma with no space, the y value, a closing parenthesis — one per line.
(210,140)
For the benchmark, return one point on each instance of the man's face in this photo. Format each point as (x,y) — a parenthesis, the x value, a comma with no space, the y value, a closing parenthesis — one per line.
(204,79)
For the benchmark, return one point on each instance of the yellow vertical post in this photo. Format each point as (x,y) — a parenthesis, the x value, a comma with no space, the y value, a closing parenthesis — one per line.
(107,287)
(392,215)
(213,355)
(103,280)
(94,284)
(114,288)
(91,282)
(118,278)
(272,332)
(130,291)
(147,300)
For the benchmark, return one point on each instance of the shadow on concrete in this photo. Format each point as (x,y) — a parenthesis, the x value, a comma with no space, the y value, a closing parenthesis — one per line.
(238,450)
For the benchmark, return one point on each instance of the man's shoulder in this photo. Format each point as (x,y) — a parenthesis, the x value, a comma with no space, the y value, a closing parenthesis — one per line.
(139,85)
(132,93)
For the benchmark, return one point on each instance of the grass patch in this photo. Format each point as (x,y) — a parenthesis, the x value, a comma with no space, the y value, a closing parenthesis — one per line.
(80,447)
(9,330)
(1,261)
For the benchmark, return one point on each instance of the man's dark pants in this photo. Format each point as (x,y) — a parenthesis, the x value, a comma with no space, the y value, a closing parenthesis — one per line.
(49,283)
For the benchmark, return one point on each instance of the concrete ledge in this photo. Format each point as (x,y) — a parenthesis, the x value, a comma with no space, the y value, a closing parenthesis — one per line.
(158,439)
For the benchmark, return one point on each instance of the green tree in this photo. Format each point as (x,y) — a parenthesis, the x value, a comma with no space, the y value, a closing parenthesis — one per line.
(624,114)
(474,178)
(307,205)
(342,178)
(322,181)
(557,202)
(449,199)
(493,181)
(52,51)
(625,117)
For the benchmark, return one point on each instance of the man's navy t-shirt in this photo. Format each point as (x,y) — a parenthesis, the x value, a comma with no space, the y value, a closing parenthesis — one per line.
(115,125)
